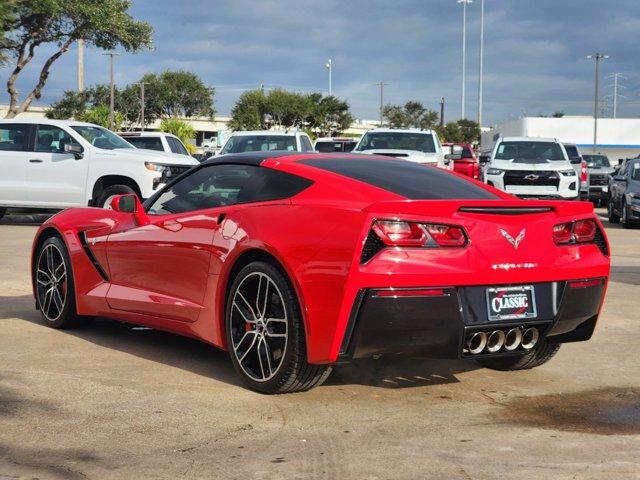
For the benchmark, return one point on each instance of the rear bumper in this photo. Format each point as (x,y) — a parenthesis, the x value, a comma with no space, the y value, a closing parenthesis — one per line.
(437,323)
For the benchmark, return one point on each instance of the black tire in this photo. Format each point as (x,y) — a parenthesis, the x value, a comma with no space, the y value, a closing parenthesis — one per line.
(542,353)
(292,373)
(103,200)
(626,222)
(2,212)
(613,218)
(64,303)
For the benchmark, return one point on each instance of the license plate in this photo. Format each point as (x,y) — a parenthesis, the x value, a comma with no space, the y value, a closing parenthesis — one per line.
(504,303)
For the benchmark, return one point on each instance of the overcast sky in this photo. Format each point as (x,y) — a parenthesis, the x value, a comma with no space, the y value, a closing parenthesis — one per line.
(534,51)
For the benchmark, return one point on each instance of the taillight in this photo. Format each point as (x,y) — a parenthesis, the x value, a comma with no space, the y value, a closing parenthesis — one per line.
(580,231)
(583,171)
(397,233)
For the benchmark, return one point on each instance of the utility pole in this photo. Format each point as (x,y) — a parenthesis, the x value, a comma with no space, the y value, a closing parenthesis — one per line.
(329,66)
(381,85)
(441,111)
(142,84)
(597,57)
(111,90)
(464,49)
(80,65)
(480,73)
(616,86)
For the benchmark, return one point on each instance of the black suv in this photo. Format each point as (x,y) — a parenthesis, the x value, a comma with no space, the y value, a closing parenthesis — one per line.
(624,198)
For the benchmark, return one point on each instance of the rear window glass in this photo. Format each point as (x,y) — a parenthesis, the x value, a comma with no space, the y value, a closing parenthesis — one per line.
(147,143)
(411,180)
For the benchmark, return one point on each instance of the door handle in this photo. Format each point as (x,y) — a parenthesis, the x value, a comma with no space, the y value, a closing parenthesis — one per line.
(35,160)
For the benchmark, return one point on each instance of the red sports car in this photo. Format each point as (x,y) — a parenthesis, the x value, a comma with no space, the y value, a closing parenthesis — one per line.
(295,262)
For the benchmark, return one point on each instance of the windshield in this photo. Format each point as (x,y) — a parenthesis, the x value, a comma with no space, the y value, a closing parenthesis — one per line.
(148,143)
(572,151)
(597,161)
(101,137)
(421,142)
(635,171)
(536,152)
(259,143)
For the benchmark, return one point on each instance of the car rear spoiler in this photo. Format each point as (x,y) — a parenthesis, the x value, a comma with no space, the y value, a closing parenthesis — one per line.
(445,208)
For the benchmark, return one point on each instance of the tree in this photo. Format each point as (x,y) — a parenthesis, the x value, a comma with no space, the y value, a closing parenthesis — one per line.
(450,132)
(412,115)
(257,110)
(177,94)
(469,131)
(180,129)
(558,114)
(101,116)
(104,24)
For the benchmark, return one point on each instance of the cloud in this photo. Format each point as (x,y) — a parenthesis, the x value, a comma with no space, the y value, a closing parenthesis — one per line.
(534,51)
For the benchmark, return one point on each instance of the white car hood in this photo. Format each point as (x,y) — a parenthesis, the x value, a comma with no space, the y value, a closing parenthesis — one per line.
(554,165)
(411,155)
(150,156)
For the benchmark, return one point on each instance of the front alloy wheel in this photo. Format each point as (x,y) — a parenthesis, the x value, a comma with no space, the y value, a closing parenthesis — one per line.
(265,332)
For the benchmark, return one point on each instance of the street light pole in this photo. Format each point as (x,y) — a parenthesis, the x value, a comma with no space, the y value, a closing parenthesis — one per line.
(481,59)
(329,66)
(111,90)
(381,85)
(597,57)
(464,49)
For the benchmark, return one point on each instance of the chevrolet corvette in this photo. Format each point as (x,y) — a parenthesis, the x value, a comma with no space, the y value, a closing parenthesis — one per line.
(294,263)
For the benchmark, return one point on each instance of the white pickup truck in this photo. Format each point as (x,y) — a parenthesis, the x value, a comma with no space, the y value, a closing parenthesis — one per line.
(55,164)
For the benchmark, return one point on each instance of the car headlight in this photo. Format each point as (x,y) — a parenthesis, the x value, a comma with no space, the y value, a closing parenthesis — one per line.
(154,167)
(568,173)
(495,171)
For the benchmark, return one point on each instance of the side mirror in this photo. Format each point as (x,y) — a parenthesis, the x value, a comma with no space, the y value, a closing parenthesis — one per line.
(130,203)
(484,159)
(453,156)
(77,150)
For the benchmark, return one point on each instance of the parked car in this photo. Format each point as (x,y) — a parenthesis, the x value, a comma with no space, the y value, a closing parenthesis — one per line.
(267,140)
(467,164)
(335,144)
(420,146)
(159,141)
(580,166)
(600,170)
(54,164)
(296,262)
(624,198)
(532,168)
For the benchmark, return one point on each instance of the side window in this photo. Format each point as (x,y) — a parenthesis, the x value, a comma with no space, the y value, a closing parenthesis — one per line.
(52,139)
(176,146)
(305,144)
(219,185)
(14,137)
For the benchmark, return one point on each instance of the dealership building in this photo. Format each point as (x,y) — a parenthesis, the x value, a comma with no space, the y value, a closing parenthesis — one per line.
(617,137)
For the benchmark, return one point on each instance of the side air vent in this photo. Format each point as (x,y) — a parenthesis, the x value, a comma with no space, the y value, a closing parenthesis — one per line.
(372,246)
(600,242)
(506,210)
(94,260)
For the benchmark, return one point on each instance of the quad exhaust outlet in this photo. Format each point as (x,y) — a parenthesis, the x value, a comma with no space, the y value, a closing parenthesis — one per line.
(507,340)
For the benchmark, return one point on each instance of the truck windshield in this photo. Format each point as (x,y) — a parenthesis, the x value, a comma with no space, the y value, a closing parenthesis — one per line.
(259,143)
(101,137)
(416,141)
(597,161)
(531,151)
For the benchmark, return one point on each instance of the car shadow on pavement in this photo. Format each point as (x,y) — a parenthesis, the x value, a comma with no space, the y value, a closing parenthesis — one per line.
(200,358)
(625,274)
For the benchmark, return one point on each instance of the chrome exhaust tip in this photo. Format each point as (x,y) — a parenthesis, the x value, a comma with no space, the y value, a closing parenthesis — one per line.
(477,342)
(512,339)
(530,338)
(495,341)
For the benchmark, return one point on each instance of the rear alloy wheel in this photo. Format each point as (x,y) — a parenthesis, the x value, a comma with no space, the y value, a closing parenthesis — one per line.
(613,218)
(265,334)
(54,286)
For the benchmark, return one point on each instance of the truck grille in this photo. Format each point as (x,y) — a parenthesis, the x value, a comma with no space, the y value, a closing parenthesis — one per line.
(177,170)
(599,179)
(526,177)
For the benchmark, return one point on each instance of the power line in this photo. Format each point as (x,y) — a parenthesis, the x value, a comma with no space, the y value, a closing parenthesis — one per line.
(616,86)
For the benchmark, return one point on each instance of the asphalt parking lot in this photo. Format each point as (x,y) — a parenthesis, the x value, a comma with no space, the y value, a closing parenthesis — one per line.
(115,401)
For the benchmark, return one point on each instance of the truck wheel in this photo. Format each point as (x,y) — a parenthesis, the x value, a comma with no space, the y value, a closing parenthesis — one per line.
(542,353)
(104,200)
(613,218)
